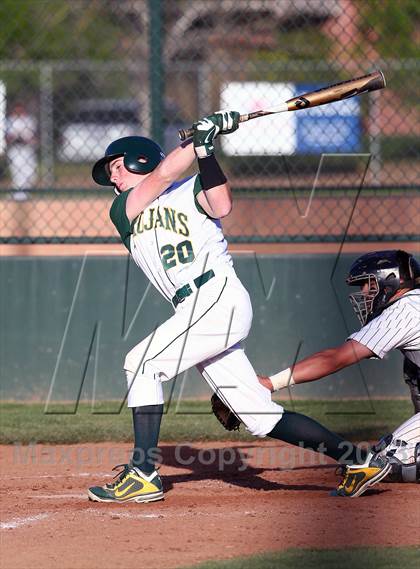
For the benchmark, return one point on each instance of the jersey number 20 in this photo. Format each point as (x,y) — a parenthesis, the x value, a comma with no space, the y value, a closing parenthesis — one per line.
(182,253)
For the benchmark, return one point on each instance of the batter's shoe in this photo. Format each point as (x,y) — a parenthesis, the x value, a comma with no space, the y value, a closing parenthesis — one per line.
(131,485)
(358,478)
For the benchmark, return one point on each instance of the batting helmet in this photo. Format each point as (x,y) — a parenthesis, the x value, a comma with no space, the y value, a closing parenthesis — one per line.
(141,156)
(386,272)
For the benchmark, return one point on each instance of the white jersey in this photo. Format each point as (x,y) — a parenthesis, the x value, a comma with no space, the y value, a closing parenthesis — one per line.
(397,327)
(173,241)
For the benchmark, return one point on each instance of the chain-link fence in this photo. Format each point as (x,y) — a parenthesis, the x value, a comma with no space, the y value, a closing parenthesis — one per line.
(76,75)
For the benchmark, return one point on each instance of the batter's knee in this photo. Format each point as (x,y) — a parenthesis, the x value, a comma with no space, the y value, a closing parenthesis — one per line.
(143,390)
(131,362)
(135,362)
(135,365)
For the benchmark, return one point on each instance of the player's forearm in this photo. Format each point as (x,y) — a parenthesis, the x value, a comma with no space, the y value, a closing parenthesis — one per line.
(310,369)
(175,164)
(217,202)
(319,365)
(216,197)
(168,171)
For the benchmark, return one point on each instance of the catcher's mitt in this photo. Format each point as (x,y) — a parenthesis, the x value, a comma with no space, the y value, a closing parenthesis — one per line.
(224,415)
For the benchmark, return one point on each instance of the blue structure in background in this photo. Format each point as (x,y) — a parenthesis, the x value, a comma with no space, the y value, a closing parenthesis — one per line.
(335,127)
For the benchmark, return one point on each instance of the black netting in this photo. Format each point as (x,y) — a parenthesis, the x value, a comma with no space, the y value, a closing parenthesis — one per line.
(76,75)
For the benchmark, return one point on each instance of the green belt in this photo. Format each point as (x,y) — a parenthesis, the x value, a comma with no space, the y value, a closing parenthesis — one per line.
(182,293)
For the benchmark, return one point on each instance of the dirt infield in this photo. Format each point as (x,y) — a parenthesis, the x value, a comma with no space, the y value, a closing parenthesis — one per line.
(266,497)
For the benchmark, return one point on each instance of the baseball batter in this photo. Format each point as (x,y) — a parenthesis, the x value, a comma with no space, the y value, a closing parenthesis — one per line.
(388,307)
(172,230)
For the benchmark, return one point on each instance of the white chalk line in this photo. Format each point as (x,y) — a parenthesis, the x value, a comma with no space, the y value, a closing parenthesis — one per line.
(116,514)
(16,523)
(76,475)
(19,522)
(112,512)
(57,496)
(129,515)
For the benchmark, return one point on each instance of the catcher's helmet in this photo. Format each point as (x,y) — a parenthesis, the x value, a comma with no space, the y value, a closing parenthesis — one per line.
(141,156)
(385,272)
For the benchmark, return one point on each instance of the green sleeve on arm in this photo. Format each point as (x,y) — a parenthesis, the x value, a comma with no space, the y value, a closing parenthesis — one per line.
(197,189)
(119,218)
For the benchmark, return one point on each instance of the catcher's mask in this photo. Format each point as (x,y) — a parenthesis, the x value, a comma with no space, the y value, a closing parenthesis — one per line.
(141,156)
(380,274)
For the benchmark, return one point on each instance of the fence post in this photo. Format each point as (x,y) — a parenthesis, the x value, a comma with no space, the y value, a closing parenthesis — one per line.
(204,74)
(156,69)
(374,137)
(46,124)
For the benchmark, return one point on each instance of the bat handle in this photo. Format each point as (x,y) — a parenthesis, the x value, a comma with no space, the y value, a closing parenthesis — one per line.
(185,133)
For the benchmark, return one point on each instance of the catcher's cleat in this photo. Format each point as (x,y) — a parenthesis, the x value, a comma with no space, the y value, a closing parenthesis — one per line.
(131,485)
(358,478)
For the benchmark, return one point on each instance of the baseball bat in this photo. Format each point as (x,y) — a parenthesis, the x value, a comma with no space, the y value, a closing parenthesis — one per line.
(330,94)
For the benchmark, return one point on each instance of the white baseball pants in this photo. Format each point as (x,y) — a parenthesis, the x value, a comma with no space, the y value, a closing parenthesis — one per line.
(205,331)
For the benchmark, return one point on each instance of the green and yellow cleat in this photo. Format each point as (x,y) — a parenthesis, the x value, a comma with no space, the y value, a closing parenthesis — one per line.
(358,478)
(132,485)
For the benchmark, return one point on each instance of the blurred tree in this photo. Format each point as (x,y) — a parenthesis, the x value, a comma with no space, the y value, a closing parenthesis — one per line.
(299,38)
(391,26)
(299,41)
(65,31)
(58,29)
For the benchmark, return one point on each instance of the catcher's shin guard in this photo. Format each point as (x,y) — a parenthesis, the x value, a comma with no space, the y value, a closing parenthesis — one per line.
(401,472)
(402,449)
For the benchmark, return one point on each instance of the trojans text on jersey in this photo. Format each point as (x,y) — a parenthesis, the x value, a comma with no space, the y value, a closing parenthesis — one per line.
(162,218)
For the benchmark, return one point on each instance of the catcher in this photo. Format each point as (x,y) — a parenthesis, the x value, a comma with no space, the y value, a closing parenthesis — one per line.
(388,307)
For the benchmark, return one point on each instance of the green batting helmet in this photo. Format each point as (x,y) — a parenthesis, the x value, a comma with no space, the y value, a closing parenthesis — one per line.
(141,156)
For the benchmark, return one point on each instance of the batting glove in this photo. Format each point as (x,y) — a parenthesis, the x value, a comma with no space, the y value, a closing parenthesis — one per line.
(229,121)
(206,130)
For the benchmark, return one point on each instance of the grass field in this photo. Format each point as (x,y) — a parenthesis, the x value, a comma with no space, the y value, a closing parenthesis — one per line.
(366,557)
(19,422)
